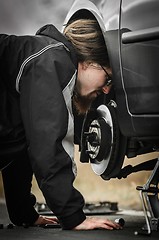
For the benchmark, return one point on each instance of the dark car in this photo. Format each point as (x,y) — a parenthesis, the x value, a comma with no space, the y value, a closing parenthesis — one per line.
(126,121)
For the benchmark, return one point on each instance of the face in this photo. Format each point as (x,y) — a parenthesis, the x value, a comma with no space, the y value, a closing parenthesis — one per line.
(91,81)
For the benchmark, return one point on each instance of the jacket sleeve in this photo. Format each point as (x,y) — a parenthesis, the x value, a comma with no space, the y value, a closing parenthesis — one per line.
(18,176)
(45,119)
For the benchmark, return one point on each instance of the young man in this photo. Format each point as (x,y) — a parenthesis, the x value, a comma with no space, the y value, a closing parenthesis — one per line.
(40,77)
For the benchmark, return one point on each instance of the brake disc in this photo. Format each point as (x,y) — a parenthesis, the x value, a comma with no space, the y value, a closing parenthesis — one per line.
(103,142)
(100,146)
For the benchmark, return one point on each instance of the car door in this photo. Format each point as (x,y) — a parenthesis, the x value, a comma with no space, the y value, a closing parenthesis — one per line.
(139,49)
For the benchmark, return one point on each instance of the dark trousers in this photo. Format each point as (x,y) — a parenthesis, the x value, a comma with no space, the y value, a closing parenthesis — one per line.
(17,178)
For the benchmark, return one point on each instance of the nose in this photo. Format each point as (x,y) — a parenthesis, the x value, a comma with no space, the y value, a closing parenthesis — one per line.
(106,89)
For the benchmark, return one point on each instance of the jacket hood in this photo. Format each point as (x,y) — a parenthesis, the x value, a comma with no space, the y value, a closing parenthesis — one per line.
(51,31)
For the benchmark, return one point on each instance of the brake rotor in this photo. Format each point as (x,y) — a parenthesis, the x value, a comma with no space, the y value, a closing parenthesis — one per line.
(102,142)
(99,143)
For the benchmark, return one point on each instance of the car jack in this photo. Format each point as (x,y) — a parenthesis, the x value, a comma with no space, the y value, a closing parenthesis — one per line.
(150,202)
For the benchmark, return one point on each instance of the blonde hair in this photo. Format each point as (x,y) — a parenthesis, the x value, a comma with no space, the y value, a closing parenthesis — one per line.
(88,41)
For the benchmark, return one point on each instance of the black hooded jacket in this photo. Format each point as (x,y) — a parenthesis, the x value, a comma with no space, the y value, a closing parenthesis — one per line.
(37,77)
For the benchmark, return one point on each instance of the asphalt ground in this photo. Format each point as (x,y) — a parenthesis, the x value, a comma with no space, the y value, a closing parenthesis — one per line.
(134,221)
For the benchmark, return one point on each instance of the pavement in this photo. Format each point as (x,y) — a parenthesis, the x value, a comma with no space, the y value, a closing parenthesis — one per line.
(134,221)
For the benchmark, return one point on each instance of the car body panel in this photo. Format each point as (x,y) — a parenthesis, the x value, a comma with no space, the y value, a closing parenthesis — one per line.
(139,55)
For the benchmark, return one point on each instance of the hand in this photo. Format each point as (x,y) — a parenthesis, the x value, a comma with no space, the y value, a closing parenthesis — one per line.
(42,220)
(97,223)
